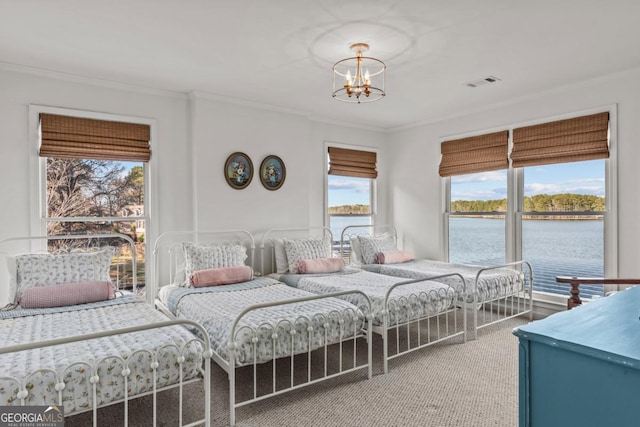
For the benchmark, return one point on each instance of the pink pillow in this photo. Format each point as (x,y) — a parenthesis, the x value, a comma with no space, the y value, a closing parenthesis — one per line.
(393,257)
(67,294)
(221,276)
(319,265)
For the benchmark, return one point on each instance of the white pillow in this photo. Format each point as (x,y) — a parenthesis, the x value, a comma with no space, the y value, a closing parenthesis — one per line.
(282,266)
(212,256)
(300,249)
(356,251)
(371,245)
(54,269)
(11,273)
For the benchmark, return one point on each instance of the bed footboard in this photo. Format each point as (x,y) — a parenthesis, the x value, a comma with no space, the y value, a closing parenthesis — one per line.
(421,320)
(333,346)
(501,299)
(101,385)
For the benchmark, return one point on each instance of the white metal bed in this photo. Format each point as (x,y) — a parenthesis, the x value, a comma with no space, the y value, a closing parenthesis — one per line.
(87,356)
(408,314)
(494,293)
(275,338)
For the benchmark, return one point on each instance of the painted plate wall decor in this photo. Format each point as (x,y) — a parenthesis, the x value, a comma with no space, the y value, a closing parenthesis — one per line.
(238,170)
(272,172)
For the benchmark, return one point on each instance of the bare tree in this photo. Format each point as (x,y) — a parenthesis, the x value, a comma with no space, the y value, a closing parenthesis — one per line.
(84,188)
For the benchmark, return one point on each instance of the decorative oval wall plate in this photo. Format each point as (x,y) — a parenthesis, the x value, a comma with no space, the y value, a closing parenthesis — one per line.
(238,170)
(272,172)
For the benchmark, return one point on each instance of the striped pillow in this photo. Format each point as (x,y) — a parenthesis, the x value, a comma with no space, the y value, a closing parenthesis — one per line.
(67,294)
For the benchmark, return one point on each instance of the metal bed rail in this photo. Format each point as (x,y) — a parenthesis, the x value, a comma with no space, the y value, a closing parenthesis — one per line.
(95,379)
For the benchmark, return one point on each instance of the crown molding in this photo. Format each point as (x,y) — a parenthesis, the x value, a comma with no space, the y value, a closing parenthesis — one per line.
(76,78)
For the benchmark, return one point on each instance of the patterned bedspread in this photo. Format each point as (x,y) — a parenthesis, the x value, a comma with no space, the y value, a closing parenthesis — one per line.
(216,308)
(491,284)
(407,302)
(75,363)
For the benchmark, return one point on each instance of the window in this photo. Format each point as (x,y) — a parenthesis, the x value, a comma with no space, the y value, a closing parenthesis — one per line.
(554,216)
(477,218)
(95,180)
(350,189)
(563,223)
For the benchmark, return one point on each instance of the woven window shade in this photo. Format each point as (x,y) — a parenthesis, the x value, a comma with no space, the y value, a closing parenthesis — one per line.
(356,163)
(564,141)
(475,154)
(80,138)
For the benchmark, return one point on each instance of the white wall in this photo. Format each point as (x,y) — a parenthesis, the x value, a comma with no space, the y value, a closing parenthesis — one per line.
(415,205)
(195,135)
(171,152)
(221,128)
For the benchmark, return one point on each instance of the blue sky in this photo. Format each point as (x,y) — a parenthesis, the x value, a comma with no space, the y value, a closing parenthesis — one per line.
(579,177)
(344,190)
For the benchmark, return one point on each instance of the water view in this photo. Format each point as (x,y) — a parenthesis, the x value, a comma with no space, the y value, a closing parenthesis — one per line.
(553,247)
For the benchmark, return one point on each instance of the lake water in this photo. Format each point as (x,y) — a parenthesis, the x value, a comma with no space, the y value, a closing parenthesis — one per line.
(553,247)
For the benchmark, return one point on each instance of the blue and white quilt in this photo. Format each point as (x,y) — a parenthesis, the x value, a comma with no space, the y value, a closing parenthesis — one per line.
(267,329)
(41,372)
(407,302)
(491,284)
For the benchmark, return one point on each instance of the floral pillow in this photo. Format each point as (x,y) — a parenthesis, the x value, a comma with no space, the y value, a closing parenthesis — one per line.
(372,245)
(198,258)
(34,270)
(301,249)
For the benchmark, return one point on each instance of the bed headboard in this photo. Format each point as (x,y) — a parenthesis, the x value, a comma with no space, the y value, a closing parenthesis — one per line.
(362,230)
(124,263)
(168,252)
(267,243)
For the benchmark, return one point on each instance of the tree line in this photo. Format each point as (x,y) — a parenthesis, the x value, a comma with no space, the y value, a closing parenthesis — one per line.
(564,202)
(356,209)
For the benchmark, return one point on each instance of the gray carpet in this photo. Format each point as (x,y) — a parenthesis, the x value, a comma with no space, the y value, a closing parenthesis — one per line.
(449,384)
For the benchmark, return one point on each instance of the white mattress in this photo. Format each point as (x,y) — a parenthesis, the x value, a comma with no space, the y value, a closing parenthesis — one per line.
(216,308)
(407,302)
(76,363)
(492,284)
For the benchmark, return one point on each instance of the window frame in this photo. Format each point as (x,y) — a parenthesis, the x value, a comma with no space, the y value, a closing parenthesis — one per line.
(515,202)
(38,177)
(372,186)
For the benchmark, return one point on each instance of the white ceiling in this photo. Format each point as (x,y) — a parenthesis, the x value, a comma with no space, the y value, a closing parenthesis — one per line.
(280,52)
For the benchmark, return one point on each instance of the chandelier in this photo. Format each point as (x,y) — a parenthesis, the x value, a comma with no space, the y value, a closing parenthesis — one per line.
(359,78)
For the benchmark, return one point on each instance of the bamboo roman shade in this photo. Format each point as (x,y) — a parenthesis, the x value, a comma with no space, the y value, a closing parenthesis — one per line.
(475,154)
(563,141)
(80,138)
(356,163)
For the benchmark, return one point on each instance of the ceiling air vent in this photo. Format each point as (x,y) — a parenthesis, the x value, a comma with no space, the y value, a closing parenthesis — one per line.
(483,81)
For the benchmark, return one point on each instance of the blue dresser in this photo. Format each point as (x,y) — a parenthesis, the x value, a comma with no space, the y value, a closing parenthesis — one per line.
(582,367)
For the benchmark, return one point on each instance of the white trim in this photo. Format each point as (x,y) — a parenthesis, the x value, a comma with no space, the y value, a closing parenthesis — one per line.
(37,168)
(192,115)
(611,194)
(93,81)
